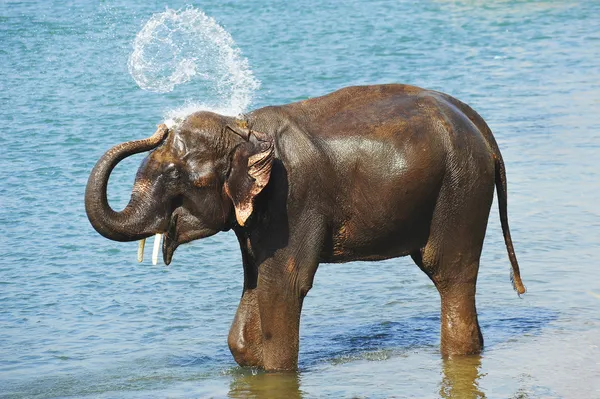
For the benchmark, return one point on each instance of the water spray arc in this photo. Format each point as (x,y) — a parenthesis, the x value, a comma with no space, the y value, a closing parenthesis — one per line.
(177,47)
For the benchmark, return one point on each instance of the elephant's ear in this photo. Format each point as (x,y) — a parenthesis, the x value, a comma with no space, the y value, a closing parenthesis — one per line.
(250,172)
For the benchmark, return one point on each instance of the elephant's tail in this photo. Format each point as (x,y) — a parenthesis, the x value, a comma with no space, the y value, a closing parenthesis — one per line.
(515,275)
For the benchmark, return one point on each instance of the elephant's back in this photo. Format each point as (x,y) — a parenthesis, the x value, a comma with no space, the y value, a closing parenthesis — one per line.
(357,110)
(387,133)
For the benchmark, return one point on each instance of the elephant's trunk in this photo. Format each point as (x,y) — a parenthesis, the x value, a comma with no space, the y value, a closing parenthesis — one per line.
(137,220)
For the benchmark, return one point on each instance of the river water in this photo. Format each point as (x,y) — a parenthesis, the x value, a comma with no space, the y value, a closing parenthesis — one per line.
(80,318)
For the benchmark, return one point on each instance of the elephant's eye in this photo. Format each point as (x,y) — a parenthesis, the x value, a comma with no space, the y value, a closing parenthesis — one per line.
(172,172)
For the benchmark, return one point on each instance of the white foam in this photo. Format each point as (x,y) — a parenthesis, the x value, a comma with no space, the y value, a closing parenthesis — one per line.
(175,116)
(186,46)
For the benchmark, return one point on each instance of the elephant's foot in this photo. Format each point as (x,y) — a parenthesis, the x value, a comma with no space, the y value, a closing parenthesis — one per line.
(245,335)
(461,334)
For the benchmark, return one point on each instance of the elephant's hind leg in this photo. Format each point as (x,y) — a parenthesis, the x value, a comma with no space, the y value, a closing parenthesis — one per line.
(451,260)
(460,331)
(461,334)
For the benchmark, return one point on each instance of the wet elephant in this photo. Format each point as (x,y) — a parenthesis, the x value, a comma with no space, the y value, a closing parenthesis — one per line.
(364,173)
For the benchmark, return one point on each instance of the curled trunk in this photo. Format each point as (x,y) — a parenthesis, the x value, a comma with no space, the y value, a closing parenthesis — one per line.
(138,219)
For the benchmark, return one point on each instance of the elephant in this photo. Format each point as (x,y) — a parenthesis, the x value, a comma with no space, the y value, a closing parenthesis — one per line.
(365,173)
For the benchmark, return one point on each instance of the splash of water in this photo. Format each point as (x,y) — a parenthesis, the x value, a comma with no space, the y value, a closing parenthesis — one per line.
(180,46)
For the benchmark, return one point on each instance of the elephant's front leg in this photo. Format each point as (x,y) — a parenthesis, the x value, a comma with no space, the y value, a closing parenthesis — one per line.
(283,282)
(265,330)
(245,335)
(281,291)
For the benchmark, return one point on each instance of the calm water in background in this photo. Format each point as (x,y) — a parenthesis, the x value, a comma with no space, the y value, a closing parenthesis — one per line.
(80,318)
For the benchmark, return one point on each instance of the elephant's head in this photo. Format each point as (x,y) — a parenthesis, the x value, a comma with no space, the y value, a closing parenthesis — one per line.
(199,179)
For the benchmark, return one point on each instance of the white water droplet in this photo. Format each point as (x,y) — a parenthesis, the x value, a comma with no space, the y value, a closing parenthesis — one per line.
(180,46)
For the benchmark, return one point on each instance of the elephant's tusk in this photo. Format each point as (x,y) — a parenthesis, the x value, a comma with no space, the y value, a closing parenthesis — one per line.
(141,245)
(157,239)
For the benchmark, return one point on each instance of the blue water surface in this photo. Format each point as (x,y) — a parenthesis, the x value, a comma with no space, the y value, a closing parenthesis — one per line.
(79,317)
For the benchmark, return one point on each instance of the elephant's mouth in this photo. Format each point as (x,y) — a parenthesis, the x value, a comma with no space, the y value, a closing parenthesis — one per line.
(183,227)
(170,242)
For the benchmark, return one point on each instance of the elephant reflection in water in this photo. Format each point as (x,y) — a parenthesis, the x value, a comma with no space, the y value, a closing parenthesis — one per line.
(460,380)
(364,173)
(266,385)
